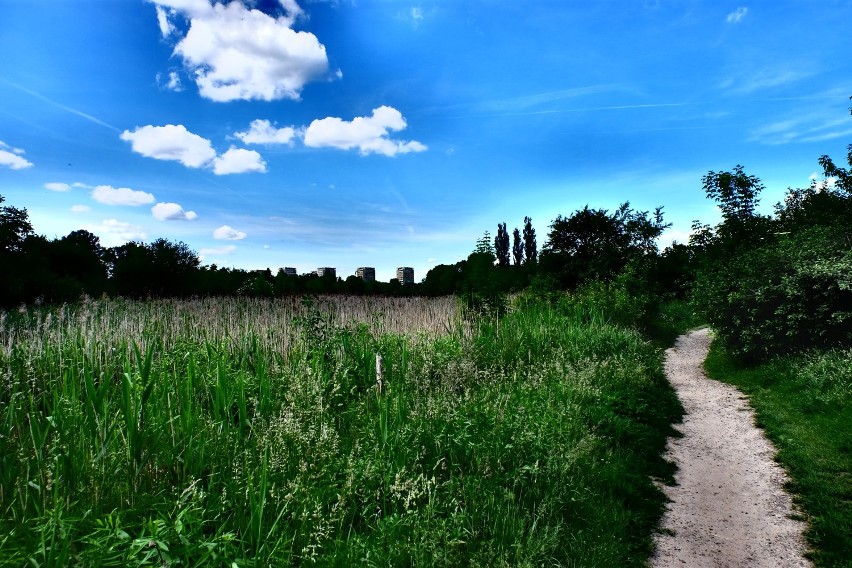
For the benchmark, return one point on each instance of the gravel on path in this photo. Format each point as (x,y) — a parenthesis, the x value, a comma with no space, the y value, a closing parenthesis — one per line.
(728,507)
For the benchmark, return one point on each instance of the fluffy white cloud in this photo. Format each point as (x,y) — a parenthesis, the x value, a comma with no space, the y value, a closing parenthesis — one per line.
(237,53)
(171,142)
(262,132)
(737,15)
(11,157)
(367,133)
(113,232)
(226,233)
(57,186)
(171,212)
(238,161)
(80,208)
(109,195)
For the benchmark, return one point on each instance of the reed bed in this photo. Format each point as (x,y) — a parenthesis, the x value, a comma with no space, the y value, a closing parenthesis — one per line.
(237,432)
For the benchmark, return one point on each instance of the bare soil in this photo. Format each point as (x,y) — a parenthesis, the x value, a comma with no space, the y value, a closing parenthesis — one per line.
(728,507)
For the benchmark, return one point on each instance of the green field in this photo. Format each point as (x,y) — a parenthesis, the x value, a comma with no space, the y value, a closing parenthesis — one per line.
(242,432)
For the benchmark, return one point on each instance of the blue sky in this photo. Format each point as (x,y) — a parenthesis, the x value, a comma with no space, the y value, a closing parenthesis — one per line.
(342,133)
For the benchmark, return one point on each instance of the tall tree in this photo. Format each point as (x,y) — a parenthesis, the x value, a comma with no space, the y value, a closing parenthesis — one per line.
(517,247)
(501,245)
(594,244)
(14,227)
(485,246)
(530,250)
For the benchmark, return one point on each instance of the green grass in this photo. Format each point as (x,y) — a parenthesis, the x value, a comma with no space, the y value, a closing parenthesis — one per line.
(803,403)
(250,433)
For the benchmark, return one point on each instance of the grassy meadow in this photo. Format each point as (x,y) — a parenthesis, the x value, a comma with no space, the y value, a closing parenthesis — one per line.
(240,432)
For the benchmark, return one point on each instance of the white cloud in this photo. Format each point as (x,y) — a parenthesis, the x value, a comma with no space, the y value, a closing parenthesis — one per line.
(109,195)
(238,161)
(737,15)
(171,212)
(57,186)
(262,132)
(80,208)
(166,26)
(367,133)
(226,233)
(11,157)
(174,82)
(216,251)
(113,232)
(237,53)
(171,142)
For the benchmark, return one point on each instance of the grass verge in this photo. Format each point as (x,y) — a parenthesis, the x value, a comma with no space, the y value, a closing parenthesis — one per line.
(803,404)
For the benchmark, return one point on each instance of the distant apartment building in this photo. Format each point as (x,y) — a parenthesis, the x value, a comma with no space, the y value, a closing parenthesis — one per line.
(405,275)
(327,271)
(366,273)
(289,271)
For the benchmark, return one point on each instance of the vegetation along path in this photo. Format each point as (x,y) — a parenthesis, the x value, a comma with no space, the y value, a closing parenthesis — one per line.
(728,507)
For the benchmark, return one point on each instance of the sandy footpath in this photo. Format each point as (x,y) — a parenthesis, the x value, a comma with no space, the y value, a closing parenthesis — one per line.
(728,508)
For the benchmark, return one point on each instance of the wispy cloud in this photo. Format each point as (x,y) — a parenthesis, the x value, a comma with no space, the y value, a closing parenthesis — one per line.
(737,15)
(580,109)
(216,251)
(751,80)
(811,127)
(61,106)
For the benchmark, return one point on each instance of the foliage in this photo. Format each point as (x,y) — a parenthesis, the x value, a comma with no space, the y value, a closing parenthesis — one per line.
(593,244)
(14,227)
(501,245)
(804,404)
(517,248)
(775,285)
(530,246)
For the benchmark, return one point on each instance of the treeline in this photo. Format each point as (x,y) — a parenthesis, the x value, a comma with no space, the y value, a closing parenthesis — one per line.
(766,283)
(36,269)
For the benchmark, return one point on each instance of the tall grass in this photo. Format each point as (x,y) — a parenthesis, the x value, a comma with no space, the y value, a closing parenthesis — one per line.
(252,433)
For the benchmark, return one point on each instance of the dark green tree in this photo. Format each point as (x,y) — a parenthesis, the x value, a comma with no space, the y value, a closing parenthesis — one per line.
(593,244)
(14,227)
(517,248)
(530,247)
(501,245)
(485,246)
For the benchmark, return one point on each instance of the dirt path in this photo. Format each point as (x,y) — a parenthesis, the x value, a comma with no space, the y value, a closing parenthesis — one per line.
(728,508)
